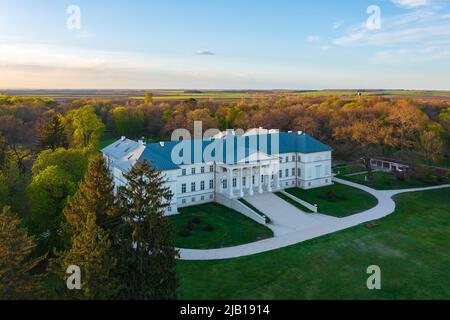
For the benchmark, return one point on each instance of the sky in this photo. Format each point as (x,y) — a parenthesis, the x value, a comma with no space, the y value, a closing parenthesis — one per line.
(225,44)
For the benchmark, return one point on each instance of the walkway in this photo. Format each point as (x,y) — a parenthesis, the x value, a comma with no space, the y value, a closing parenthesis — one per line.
(289,233)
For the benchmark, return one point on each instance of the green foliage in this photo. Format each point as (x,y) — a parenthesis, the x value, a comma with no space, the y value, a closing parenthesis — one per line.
(72,161)
(16,280)
(47,194)
(148,256)
(90,216)
(12,186)
(83,128)
(52,135)
(128,121)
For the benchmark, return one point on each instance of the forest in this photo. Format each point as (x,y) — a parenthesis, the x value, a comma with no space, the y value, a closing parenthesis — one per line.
(50,168)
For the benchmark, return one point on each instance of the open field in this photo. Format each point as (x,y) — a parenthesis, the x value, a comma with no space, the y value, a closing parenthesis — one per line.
(220,95)
(412,248)
(230,228)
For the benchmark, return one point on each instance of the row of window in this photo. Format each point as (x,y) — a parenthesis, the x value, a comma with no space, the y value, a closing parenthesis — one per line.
(194,171)
(287,173)
(194,199)
(194,186)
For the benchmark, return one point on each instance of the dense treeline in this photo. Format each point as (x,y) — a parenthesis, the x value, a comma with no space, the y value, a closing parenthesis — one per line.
(52,177)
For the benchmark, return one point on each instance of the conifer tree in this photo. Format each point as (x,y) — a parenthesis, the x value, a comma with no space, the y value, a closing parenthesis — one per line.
(90,216)
(147,263)
(16,246)
(52,135)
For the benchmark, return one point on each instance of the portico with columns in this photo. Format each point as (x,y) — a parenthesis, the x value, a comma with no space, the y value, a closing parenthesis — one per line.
(247,178)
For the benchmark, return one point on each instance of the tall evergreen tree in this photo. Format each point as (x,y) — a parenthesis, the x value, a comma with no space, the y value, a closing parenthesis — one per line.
(148,255)
(16,246)
(90,216)
(52,135)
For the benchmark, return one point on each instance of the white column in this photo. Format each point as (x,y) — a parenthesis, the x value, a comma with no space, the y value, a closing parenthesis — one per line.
(270,181)
(242,182)
(230,181)
(251,181)
(260,180)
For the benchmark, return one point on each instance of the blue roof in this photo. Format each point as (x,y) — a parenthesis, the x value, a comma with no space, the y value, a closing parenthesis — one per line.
(161,156)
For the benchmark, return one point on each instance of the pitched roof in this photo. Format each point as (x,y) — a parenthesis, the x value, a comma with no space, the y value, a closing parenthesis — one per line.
(160,155)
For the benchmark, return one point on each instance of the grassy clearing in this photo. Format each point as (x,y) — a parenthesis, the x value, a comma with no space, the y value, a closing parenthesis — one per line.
(387,181)
(337,200)
(412,248)
(230,228)
(350,169)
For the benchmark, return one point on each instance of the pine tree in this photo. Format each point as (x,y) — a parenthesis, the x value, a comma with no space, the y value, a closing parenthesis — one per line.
(148,258)
(90,217)
(16,246)
(95,195)
(52,135)
(91,251)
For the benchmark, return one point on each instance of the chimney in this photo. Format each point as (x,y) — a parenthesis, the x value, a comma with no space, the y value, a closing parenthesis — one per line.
(162,144)
(300,133)
(123,138)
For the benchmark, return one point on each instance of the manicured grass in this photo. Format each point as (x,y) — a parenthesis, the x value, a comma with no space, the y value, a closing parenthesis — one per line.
(347,200)
(350,169)
(412,248)
(387,181)
(230,228)
(294,203)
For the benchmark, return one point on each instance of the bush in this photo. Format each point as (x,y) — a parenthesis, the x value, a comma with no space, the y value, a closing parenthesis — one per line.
(190,226)
(331,196)
(185,233)
(209,228)
(196,220)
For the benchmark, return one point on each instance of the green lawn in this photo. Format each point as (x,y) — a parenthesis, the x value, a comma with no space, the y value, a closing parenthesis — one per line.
(346,200)
(412,248)
(387,181)
(350,169)
(230,228)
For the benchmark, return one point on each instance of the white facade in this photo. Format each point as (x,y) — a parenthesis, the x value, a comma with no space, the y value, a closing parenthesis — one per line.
(200,182)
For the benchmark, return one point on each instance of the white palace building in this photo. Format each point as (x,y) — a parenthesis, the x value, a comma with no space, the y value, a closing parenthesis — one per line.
(228,167)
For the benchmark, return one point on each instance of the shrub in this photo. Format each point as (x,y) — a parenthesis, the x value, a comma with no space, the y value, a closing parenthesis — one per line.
(331,196)
(190,226)
(209,228)
(196,220)
(185,233)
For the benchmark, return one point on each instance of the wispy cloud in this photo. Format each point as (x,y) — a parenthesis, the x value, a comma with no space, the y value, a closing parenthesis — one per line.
(412,3)
(313,38)
(204,53)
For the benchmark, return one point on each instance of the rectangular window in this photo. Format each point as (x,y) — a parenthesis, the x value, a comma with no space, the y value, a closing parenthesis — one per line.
(287,173)
(202,185)
(202,198)
(211,184)
(293,172)
(244,181)
(262,179)
(280,174)
(183,201)
(211,196)
(183,172)
(253,180)
(225,184)
(202,169)
(193,187)
(234,182)
(211,169)
(293,158)
(194,199)
(287,159)
(299,172)
(193,170)
(183,188)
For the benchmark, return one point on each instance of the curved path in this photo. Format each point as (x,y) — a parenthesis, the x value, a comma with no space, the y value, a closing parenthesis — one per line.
(327,225)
